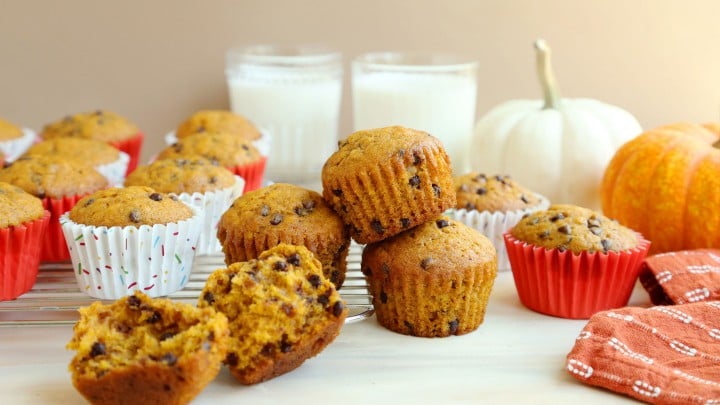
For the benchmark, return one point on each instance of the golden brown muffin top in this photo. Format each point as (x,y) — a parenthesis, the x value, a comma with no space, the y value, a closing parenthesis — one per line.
(53,176)
(9,130)
(442,245)
(88,150)
(282,206)
(102,125)
(368,147)
(578,229)
(17,206)
(129,206)
(227,149)
(192,175)
(218,121)
(274,304)
(477,191)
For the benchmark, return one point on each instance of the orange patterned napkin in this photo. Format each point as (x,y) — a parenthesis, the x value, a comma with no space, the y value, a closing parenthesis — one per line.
(660,355)
(682,277)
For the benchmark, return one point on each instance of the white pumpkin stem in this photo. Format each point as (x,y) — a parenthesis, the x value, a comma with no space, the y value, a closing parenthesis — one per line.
(546,75)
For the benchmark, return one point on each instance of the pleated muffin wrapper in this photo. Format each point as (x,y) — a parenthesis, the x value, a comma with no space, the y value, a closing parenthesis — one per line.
(574,286)
(112,262)
(13,148)
(115,171)
(494,224)
(132,146)
(213,205)
(20,256)
(54,248)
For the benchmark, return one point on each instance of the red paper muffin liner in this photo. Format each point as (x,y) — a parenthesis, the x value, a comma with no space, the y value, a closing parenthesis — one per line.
(132,147)
(20,257)
(252,173)
(575,286)
(54,248)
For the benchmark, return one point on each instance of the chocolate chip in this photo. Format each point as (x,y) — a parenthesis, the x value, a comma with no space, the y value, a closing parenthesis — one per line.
(308,204)
(470,206)
(367,271)
(209,297)
(6,164)
(285,346)
(386,269)
(606,244)
(276,219)
(479,177)
(323,299)
(211,336)
(377,226)
(523,198)
(405,223)
(169,359)
(416,159)
(89,201)
(41,194)
(595,230)
(593,223)
(156,197)
(337,192)
(213,179)
(481,191)
(294,259)
(133,301)
(288,309)
(543,234)
(401,153)
(97,349)
(231,359)
(268,350)
(409,327)
(564,229)
(280,265)
(123,328)
(314,280)
(415,181)
(556,217)
(134,216)
(177,147)
(453,326)
(154,318)
(383,297)
(166,336)
(436,190)
(338,308)
(264,210)
(441,223)
(426,262)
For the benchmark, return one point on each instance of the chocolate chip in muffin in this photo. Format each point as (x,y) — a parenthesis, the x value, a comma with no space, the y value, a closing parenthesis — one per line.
(169,359)
(426,263)
(314,280)
(337,192)
(280,265)
(294,259)
(232,359)
(89,201)
(264,210)
(337,308)
(416,159)
(156,197)
(453,326)
(383,297)
(557,217)
(481,191)
(564,229)
(415,181)
(209,297)
(436,190)
(97,349)
(276,219)
(606,244)
(377,226)
(405,223)
(441,223)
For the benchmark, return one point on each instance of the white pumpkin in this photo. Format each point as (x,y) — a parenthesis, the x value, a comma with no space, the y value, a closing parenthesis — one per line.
(557,147)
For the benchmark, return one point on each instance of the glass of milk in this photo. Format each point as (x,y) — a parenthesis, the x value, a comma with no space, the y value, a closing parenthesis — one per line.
(293,94)
(435,93)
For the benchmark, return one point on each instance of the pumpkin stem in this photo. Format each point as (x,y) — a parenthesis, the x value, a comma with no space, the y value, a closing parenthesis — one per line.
(717,144)
(546,75)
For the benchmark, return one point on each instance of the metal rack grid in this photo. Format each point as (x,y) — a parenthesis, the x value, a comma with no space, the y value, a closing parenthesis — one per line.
(55,298)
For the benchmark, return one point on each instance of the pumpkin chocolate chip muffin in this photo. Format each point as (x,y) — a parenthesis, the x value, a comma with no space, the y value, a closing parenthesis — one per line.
(17,206)
(285,213)
(281,311)
(433,280)
(14,140)
(146,351)
(386,180)
(208,121)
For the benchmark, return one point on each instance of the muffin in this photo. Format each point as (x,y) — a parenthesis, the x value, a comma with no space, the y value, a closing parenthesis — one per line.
(14,140)
(59,182)
(146,351)
(572,262)
(431,281)
(386,180)
(217,121)
(131,239)
(492,205)
(285,213)
(103,125)
(196,181)
(230,151)
(281,311)
(107,160)
(23,221)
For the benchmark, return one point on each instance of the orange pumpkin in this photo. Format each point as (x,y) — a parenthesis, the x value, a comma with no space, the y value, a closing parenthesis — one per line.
(665,184)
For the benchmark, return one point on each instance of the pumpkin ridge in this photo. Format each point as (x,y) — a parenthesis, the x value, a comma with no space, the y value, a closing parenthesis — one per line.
(692,171)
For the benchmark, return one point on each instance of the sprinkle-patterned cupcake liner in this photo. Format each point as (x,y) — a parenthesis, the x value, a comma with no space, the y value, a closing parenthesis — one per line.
(53,247)
(115,171)
(213,205)
(575,286)
(494,224)
(262,144)
(13,148)
(132,147)
(112,262)
(20,257)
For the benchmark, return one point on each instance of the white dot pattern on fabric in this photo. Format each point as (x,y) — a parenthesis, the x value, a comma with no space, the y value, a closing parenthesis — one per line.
(663,277)
(695,379)
(679,315)
(714,304)
(644,388)
(714,333)
(579,368)
(623,349)
(703,269)
(683,348)
(698,294)
(714,257)
(626,318)
(584,335)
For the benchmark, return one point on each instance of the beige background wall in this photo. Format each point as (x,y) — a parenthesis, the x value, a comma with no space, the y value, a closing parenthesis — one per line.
(158,61)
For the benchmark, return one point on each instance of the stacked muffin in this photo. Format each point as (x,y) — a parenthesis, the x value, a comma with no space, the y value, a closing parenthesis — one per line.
(390,186)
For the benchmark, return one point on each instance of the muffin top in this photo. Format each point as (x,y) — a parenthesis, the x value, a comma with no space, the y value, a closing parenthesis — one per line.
(442,245)
(129,206)
(102,125)
(88,150)
(477,191)
(53,176)
(191,175)
(9,130)
(578,229)
(368,147)
(217,121)
(226,149)
(282,206)
(17,206)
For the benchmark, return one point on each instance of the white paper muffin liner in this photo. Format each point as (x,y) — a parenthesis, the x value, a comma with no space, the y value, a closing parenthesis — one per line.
(13,148)
(262,144)
(213,205)
(494,224)
(112,262)
(114,172)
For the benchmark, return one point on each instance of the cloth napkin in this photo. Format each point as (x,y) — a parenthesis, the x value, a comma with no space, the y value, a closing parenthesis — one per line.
(660,355)
(682,277)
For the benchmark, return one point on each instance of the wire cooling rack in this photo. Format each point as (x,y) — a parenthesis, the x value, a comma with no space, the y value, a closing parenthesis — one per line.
(55,298)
